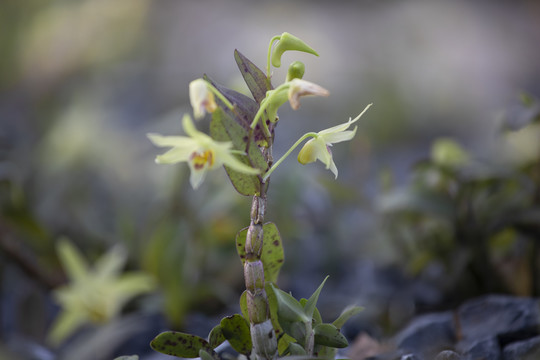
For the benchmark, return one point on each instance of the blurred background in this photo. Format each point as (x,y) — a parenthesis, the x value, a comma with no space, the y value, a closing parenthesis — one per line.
(406,228)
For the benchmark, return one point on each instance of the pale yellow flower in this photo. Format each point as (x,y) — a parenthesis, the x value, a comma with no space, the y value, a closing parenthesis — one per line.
(318,148)
(200,151)
(94,294)
(201,98)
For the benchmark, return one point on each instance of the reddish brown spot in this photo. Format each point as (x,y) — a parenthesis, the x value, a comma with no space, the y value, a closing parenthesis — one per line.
(276,243)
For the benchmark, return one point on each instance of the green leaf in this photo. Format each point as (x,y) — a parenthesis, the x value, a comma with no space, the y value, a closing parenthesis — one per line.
(295,329)
(346,314)
(254,77)
(289,309)
(223,128)
(317,319)
(179,344)
(329,335)
(204,355)
(244,306)
(296,349)
(272,255)
(311,303)
(236,330)
(242,114)
(216,337)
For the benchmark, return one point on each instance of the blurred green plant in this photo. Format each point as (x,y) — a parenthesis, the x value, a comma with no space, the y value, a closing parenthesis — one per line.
(273,323)
(94,294)
(471,216)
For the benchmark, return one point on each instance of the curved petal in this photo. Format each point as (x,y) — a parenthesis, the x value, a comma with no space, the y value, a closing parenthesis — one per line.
(226,158)
(339,136)
(174,155)
(335,129)
(189,127)
(162,141)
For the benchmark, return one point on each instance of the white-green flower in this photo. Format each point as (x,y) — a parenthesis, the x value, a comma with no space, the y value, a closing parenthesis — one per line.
(200,151)
(201,98)
(318,148)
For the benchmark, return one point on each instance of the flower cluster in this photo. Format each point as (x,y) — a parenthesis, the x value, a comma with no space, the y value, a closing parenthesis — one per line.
(203,153)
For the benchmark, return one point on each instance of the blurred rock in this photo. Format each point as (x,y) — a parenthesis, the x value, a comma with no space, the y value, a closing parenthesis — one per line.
(428,334)
(448,355)
(487,349)
(523,350)
(506,317)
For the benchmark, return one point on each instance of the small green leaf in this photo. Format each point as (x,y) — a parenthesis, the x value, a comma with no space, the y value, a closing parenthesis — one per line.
(312,301)
(296,349)
(205,355)
(254,77)
(283,343)
(236,330)
(179,344)
(289,309)
(244,306)
(216,337)
(317,319)
(272,255)
(346,314)
(295,329)
(329,335)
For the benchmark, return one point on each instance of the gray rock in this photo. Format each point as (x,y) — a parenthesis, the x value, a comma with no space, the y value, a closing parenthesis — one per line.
(484,349)
(448,355)
(409,357)
(523,350)
(428,334)
(507,317)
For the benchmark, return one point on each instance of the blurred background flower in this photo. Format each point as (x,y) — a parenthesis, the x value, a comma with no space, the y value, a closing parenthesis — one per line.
(82,82)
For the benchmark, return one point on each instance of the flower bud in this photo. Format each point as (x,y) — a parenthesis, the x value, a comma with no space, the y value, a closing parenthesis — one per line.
(296,70)
(289,42)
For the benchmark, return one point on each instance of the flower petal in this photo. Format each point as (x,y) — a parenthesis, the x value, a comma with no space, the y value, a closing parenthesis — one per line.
(228,159)
(176,141)
(174,155)
(337,137)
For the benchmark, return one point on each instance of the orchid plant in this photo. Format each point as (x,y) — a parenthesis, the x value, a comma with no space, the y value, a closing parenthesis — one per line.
(272,322)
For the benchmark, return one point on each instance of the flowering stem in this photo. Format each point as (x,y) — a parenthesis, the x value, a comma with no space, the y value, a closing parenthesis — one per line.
(276,164)
(277,37)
